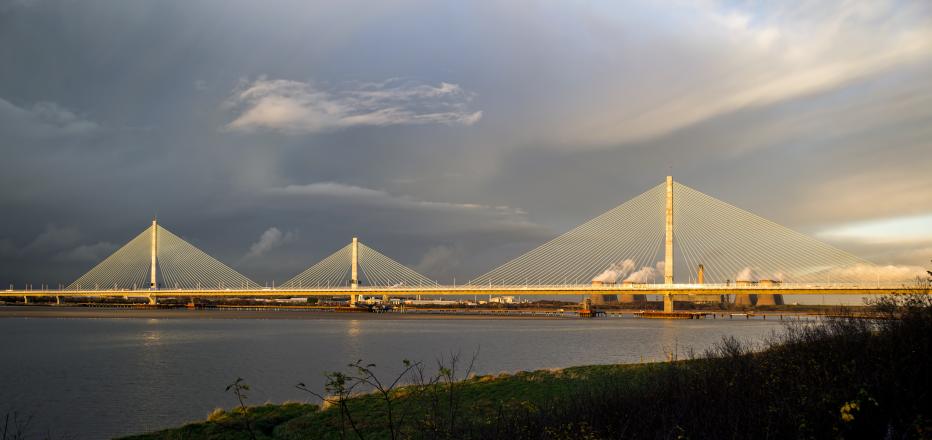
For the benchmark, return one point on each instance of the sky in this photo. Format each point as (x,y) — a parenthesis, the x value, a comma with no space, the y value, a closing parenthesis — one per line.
(451,136)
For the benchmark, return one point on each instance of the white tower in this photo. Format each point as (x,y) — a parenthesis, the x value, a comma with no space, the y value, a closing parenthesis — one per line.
(354,264)
(354,281)
(668,251)
(155,250)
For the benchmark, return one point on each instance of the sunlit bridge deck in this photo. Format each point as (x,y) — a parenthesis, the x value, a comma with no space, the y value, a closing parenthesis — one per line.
(469,290)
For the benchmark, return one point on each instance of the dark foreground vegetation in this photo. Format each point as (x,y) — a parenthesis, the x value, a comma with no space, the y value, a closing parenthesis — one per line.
(843,378)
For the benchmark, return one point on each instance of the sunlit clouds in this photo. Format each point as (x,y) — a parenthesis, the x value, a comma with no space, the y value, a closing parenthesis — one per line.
(910,229)
(734,57)
(296,107)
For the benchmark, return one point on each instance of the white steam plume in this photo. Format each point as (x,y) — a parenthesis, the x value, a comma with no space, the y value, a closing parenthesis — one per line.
(747,274)
(646,274)
(615,272)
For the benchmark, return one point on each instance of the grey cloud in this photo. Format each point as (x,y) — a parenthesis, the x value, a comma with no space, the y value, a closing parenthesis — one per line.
(7,248)
(269,240)
(53,238)
(442,259)
(87,253)
(296,107)
(42,120)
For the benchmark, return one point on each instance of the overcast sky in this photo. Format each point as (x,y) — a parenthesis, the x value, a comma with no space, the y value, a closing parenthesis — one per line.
(451,136)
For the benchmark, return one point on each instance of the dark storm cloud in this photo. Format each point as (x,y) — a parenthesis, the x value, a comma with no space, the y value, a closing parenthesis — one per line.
(451,136)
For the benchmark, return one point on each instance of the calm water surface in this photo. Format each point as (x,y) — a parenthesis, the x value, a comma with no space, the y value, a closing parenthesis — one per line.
(99,378)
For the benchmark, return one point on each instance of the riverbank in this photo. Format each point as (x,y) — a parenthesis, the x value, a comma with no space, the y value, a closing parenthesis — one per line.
(844,378)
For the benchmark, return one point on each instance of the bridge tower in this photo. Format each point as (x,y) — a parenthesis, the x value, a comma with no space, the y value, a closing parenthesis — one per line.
(354,274)
(668,248)
(154,251)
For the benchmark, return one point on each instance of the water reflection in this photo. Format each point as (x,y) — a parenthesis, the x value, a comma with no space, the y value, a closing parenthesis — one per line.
(353,328)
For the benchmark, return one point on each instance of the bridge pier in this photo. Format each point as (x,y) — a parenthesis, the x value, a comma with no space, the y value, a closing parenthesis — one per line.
(25,299)
(152,300)
(57,300)
(667,302)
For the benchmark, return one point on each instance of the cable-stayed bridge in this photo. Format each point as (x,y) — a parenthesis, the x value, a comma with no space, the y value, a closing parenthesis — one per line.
(671,240)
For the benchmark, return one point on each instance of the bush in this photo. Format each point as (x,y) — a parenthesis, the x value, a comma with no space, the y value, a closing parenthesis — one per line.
(845,378)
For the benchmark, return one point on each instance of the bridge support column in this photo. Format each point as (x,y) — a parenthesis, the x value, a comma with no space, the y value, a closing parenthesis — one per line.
(668,236)
(152,300)
(58,300)
(354,271)
(25,299)
(153,254)
(667,302)
(385,299)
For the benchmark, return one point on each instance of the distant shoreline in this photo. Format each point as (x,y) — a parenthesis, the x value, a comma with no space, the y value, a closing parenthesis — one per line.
(75,312)
(104,313)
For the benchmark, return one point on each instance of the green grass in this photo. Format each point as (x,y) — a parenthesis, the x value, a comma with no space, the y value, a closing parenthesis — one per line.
(483,396)
(229,424)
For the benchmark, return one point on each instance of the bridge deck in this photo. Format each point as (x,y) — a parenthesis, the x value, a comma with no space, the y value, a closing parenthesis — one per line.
(469,290)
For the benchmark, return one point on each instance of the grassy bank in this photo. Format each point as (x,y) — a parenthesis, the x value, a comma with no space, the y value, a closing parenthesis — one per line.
(846,378)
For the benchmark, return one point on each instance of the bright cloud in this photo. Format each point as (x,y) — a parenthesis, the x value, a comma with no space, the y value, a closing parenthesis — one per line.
(296,107)
(358,194)
(890,230)
(739,57)
(872,273)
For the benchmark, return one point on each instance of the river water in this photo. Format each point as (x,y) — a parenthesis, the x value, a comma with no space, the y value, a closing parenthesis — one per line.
(98,378)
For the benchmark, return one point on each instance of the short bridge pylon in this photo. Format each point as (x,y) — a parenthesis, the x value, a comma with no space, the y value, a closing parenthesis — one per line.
(158,259)
(357,266)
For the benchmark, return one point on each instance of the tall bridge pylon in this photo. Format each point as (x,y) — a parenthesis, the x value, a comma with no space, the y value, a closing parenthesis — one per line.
(624,245)
(157,258)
